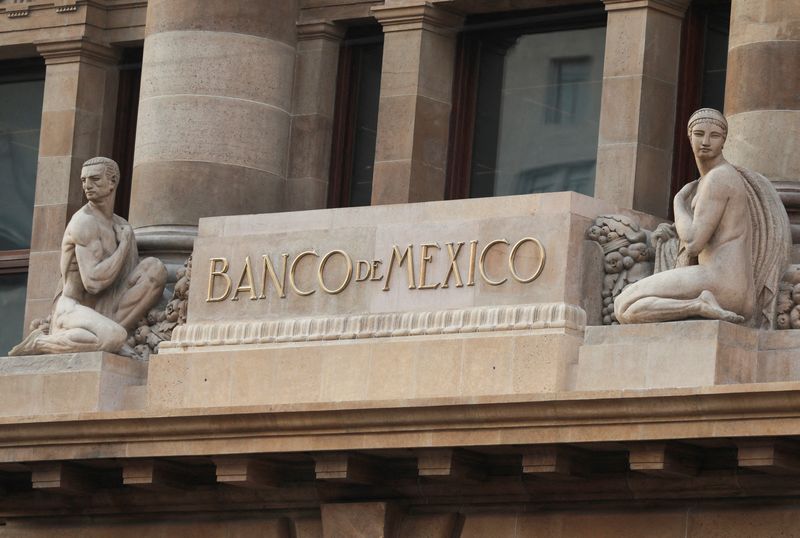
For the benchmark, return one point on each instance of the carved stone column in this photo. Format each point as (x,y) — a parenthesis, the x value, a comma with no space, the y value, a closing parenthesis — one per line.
(214,116)
(312,114)
(637,118)
(415,103)
(80,95)
(762,95)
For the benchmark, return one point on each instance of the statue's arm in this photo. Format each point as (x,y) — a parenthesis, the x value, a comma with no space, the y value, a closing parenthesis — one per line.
(696,229)
(97,273)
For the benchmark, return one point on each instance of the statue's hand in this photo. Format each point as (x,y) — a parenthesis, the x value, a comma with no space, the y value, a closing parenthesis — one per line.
(665,231)
(685,259)
(124,233)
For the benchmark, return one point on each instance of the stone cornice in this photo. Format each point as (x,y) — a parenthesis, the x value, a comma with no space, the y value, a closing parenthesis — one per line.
(722,412)
(76,50)
(320,30)
(676,8)
(420,17)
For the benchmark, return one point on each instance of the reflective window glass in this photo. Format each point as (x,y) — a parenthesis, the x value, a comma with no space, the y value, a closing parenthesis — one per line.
(356,119)
(20,121)
(12,304)
(537,113)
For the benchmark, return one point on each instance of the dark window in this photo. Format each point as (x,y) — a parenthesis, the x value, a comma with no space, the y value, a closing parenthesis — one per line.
(526,103)
(704,60)
(356,118)
(130,78)
(21,94)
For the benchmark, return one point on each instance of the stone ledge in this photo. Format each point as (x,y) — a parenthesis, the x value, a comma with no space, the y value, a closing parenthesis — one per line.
(67,383)
(720,412)
(661,355)
(373,369)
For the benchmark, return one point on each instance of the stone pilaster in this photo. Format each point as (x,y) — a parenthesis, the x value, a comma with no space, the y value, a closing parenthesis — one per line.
(415,103)
(80,96)
(313,102)
(762,91)
(637,118)
(214,116)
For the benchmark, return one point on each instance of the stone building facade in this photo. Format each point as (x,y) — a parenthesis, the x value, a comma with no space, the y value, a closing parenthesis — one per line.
(373,413)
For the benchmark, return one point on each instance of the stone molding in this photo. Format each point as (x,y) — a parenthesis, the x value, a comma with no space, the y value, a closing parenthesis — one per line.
(634,415)
(676,8)
(420,17)
(77,50)
(307,31)
(468,320)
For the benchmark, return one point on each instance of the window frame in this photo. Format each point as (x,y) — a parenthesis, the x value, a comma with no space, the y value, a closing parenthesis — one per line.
(127,111)
(343,143)
(466,75)
(14,261)
(690,90)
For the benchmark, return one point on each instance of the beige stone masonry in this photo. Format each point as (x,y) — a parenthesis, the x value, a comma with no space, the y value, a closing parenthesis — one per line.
(570,273)
(637,116)
(80,96)
(415,103)
(313,102)
(667,355)
(762,100)
(411,368)
(70,383)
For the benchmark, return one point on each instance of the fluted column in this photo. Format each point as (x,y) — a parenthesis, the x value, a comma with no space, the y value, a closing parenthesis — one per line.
(214,115)
(762,91)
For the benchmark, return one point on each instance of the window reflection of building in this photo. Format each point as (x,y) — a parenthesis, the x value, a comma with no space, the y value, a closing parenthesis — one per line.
(535,105)
(570,90)
(21,93)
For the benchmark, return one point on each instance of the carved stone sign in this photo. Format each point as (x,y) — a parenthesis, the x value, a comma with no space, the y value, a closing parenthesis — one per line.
(439,266)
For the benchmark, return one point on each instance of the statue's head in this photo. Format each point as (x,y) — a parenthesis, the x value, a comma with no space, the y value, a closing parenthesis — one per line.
(99,178)
(707,131)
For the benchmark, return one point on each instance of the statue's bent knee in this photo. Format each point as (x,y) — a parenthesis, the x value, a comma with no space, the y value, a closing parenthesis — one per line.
(154,269)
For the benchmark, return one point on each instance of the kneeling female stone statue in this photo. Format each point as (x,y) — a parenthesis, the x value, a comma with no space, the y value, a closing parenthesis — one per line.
(104,288)
(733,243)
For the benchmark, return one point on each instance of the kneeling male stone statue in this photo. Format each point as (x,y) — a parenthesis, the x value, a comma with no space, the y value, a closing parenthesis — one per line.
(104,288)
(732,239)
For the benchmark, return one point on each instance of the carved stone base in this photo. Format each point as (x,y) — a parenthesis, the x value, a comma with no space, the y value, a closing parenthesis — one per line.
(70,383)
(419,368)
(667,355)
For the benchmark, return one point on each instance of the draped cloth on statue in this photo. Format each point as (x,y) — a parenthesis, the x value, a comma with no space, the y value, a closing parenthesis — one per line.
(771,245)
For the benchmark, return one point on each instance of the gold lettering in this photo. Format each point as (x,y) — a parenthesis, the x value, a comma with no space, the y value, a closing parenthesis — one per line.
(424,260)
(366,266)
(512,260)
(453,270)
(375,266)
(247,272)
(400,259)
(293,270)
(268,269)
(321,270)
(213,272)
(482,262)
(473,253)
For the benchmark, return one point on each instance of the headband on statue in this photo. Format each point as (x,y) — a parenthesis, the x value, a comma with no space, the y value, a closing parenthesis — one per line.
(708,115)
